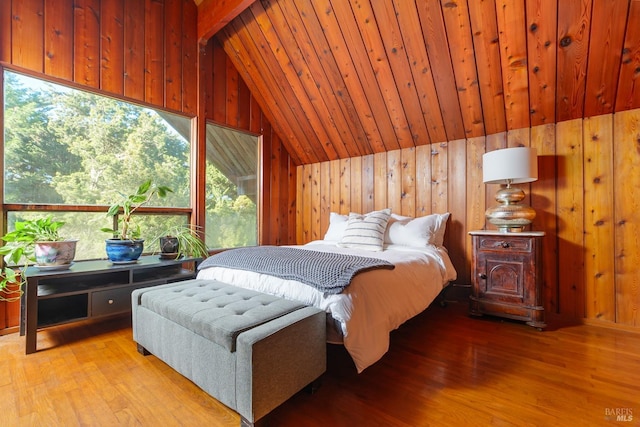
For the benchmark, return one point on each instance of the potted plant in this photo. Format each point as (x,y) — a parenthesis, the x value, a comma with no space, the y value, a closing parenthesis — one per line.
(126,245)
(34,241)
(182,240)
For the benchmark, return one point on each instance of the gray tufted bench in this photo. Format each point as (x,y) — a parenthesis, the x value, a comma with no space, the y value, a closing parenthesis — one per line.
(248,350)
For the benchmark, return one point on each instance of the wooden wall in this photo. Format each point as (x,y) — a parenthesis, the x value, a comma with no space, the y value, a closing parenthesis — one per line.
(350,78)
(144,50)
(587,200)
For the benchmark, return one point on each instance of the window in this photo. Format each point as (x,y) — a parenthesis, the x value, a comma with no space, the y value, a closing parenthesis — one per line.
(231,188)
(70,152)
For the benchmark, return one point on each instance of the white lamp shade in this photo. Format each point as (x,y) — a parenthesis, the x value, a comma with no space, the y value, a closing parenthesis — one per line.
(516,165)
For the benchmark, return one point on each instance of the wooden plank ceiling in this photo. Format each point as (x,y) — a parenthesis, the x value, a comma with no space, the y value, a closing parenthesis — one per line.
(342,78)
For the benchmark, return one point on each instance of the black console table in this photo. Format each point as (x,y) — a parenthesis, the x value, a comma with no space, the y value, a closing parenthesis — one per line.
(91,289)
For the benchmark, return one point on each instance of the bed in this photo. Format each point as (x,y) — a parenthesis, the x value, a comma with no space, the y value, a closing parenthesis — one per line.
(377,301)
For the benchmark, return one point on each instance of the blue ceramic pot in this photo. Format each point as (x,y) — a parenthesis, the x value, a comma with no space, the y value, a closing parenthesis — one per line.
(121,251)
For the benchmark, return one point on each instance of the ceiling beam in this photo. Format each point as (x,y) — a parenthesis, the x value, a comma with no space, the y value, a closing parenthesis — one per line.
(215,14)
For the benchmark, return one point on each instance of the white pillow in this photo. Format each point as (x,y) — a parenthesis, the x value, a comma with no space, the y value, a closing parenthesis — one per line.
(366,231)
(337,226)
(418,232)
(441,227)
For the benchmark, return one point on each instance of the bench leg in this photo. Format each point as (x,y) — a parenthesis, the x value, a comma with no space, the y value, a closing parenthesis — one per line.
(143,351)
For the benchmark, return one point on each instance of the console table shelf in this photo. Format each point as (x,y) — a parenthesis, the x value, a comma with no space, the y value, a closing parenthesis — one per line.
(91,289)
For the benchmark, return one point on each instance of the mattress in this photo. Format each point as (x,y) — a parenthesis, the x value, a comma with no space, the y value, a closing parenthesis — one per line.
(374,304)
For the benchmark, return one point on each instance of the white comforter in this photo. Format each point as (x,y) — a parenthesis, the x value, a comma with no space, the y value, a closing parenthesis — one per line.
(376,302)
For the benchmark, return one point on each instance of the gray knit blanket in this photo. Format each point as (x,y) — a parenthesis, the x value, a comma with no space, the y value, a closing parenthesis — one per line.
(328,272)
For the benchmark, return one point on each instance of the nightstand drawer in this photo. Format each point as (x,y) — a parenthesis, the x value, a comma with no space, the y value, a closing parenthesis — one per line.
(111,301)
(498,243)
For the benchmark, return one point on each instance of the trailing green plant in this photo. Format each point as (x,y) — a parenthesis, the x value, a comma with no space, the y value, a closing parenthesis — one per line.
(19,249)
(189,242)
(126,228)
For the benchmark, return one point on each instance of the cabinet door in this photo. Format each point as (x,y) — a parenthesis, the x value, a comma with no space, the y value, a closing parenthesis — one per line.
(505,269)
(501,279)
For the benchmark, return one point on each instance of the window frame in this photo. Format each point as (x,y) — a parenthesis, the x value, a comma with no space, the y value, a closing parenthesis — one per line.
(190,212)
(259,176)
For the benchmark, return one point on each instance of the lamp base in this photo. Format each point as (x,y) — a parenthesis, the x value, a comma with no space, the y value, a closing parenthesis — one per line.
(510,216)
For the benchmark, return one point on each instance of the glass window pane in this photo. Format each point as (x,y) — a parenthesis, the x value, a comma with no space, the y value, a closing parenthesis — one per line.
(66,146)
(85,226)
(231,188)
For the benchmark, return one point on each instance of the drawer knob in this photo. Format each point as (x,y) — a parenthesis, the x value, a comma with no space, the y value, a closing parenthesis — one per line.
(482,276)
(505,244)
(110,301)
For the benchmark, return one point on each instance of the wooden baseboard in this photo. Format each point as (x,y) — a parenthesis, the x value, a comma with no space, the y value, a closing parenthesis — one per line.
(10,330)
(611,325)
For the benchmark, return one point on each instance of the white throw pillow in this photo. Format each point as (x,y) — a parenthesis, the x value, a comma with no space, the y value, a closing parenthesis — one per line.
(417,232)
(440,228)
(366,231)
(337,226)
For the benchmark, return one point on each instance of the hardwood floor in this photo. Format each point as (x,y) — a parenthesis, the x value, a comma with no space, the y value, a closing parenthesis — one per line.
(444,368)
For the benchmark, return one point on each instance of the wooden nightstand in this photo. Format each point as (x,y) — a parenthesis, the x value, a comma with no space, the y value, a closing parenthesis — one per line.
(507,276)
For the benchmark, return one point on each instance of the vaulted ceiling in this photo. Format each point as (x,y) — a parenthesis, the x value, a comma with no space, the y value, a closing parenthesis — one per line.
(342,78)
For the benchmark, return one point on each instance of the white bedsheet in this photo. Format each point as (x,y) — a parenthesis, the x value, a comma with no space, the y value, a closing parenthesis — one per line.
(375,303)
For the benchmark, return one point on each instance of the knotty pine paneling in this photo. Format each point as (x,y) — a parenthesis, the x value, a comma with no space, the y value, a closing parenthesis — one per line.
(420,68)
(626,176)
(115,46)
(458,29)
(355,77)
(586,201)
(392,73)
(570,216)
(541,33)
(605,53)
(351,53)
(437,49)
(173,29)
(27,34)
(86,46)
(134,41)
(154,52)
(627,98)
(111,45)
(485,33)
(190,59)
(543,200)
(5,31)
(58,22)
(513,50)
(598,217)
(574,23)
(288,47)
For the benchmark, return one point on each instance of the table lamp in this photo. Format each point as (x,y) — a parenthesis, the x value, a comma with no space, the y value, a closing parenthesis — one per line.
(509,166)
